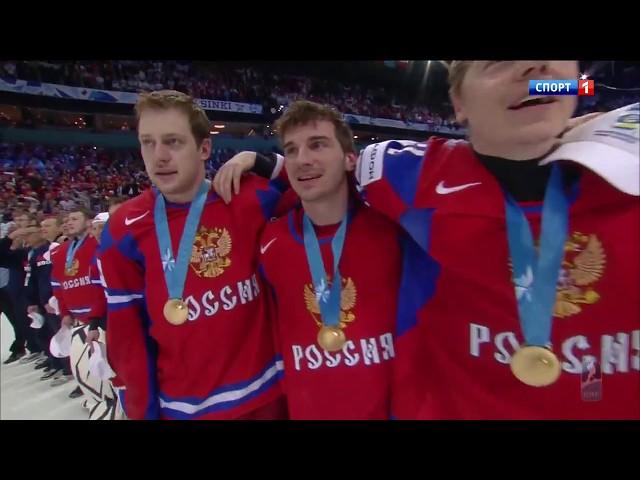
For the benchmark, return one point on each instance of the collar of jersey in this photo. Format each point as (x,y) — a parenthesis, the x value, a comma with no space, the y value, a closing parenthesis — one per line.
(294,220)
(211,197)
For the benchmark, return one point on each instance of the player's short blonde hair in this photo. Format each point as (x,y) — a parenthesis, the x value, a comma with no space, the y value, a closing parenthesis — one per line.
(166,99)
(457,71)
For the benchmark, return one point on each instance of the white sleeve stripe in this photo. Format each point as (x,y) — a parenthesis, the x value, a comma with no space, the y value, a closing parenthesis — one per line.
(103,282)
(416,151)
(370,161)
(228,396)
(278,168)
(96,282)
(116,299)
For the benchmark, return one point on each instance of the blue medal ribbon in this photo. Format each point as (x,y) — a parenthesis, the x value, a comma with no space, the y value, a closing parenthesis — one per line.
(175,269)
(535,275)
(71,252)
(328,298)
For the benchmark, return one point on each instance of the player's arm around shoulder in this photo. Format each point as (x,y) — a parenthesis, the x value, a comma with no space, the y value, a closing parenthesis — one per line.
(390,173)
(257,201)
(228,179)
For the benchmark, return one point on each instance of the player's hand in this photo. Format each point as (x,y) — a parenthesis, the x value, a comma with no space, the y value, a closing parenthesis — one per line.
(574,122)
(17,233)
(49,309)
(92,336)
(33,309)
(67,321)
(230,174)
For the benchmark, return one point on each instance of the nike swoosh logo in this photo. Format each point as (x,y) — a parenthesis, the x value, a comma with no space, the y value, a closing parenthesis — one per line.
(442,190)
(129,221)
(264,248)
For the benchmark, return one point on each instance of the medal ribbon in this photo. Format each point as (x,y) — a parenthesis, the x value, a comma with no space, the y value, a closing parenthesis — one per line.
(71,252)
(328,298)
(535,275)
(175,269)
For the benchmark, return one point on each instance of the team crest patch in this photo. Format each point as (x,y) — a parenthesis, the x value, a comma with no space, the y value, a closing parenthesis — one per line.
(210,252)
(583,265)
(73,269)
(347,301)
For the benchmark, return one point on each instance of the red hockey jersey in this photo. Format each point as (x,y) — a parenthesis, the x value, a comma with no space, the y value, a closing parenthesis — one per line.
(353,383)
(459,327)
(220,364)
(99,306)
(73,289)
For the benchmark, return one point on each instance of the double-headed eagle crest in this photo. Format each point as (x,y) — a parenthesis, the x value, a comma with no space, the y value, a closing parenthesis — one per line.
(210,252)
(347,301)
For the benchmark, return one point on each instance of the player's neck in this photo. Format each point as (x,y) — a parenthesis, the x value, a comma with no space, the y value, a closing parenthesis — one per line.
(514,151)
(330,210)
(79,236)
(186,196)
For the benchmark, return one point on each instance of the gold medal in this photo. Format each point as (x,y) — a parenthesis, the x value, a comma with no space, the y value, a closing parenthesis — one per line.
(72,270)
(331,339)
(176,311)
(536,366)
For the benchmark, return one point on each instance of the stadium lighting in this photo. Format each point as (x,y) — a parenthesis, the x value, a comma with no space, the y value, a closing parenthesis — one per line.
(219,126)
(213,132)
(427,71)
(355,136)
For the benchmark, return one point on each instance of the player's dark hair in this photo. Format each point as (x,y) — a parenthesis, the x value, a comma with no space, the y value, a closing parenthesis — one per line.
(304,112)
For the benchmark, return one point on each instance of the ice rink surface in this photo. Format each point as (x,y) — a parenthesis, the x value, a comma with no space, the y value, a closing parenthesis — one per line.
(23,396)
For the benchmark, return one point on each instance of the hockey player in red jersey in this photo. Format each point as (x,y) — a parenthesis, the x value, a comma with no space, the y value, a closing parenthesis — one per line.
(99,313)
(187,329)
(535,263)
(486,328)
(70,273)
(330,252)
(99,308)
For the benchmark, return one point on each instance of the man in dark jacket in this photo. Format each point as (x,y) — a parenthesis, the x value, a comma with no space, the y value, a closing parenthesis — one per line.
(13,256)
(38,291)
